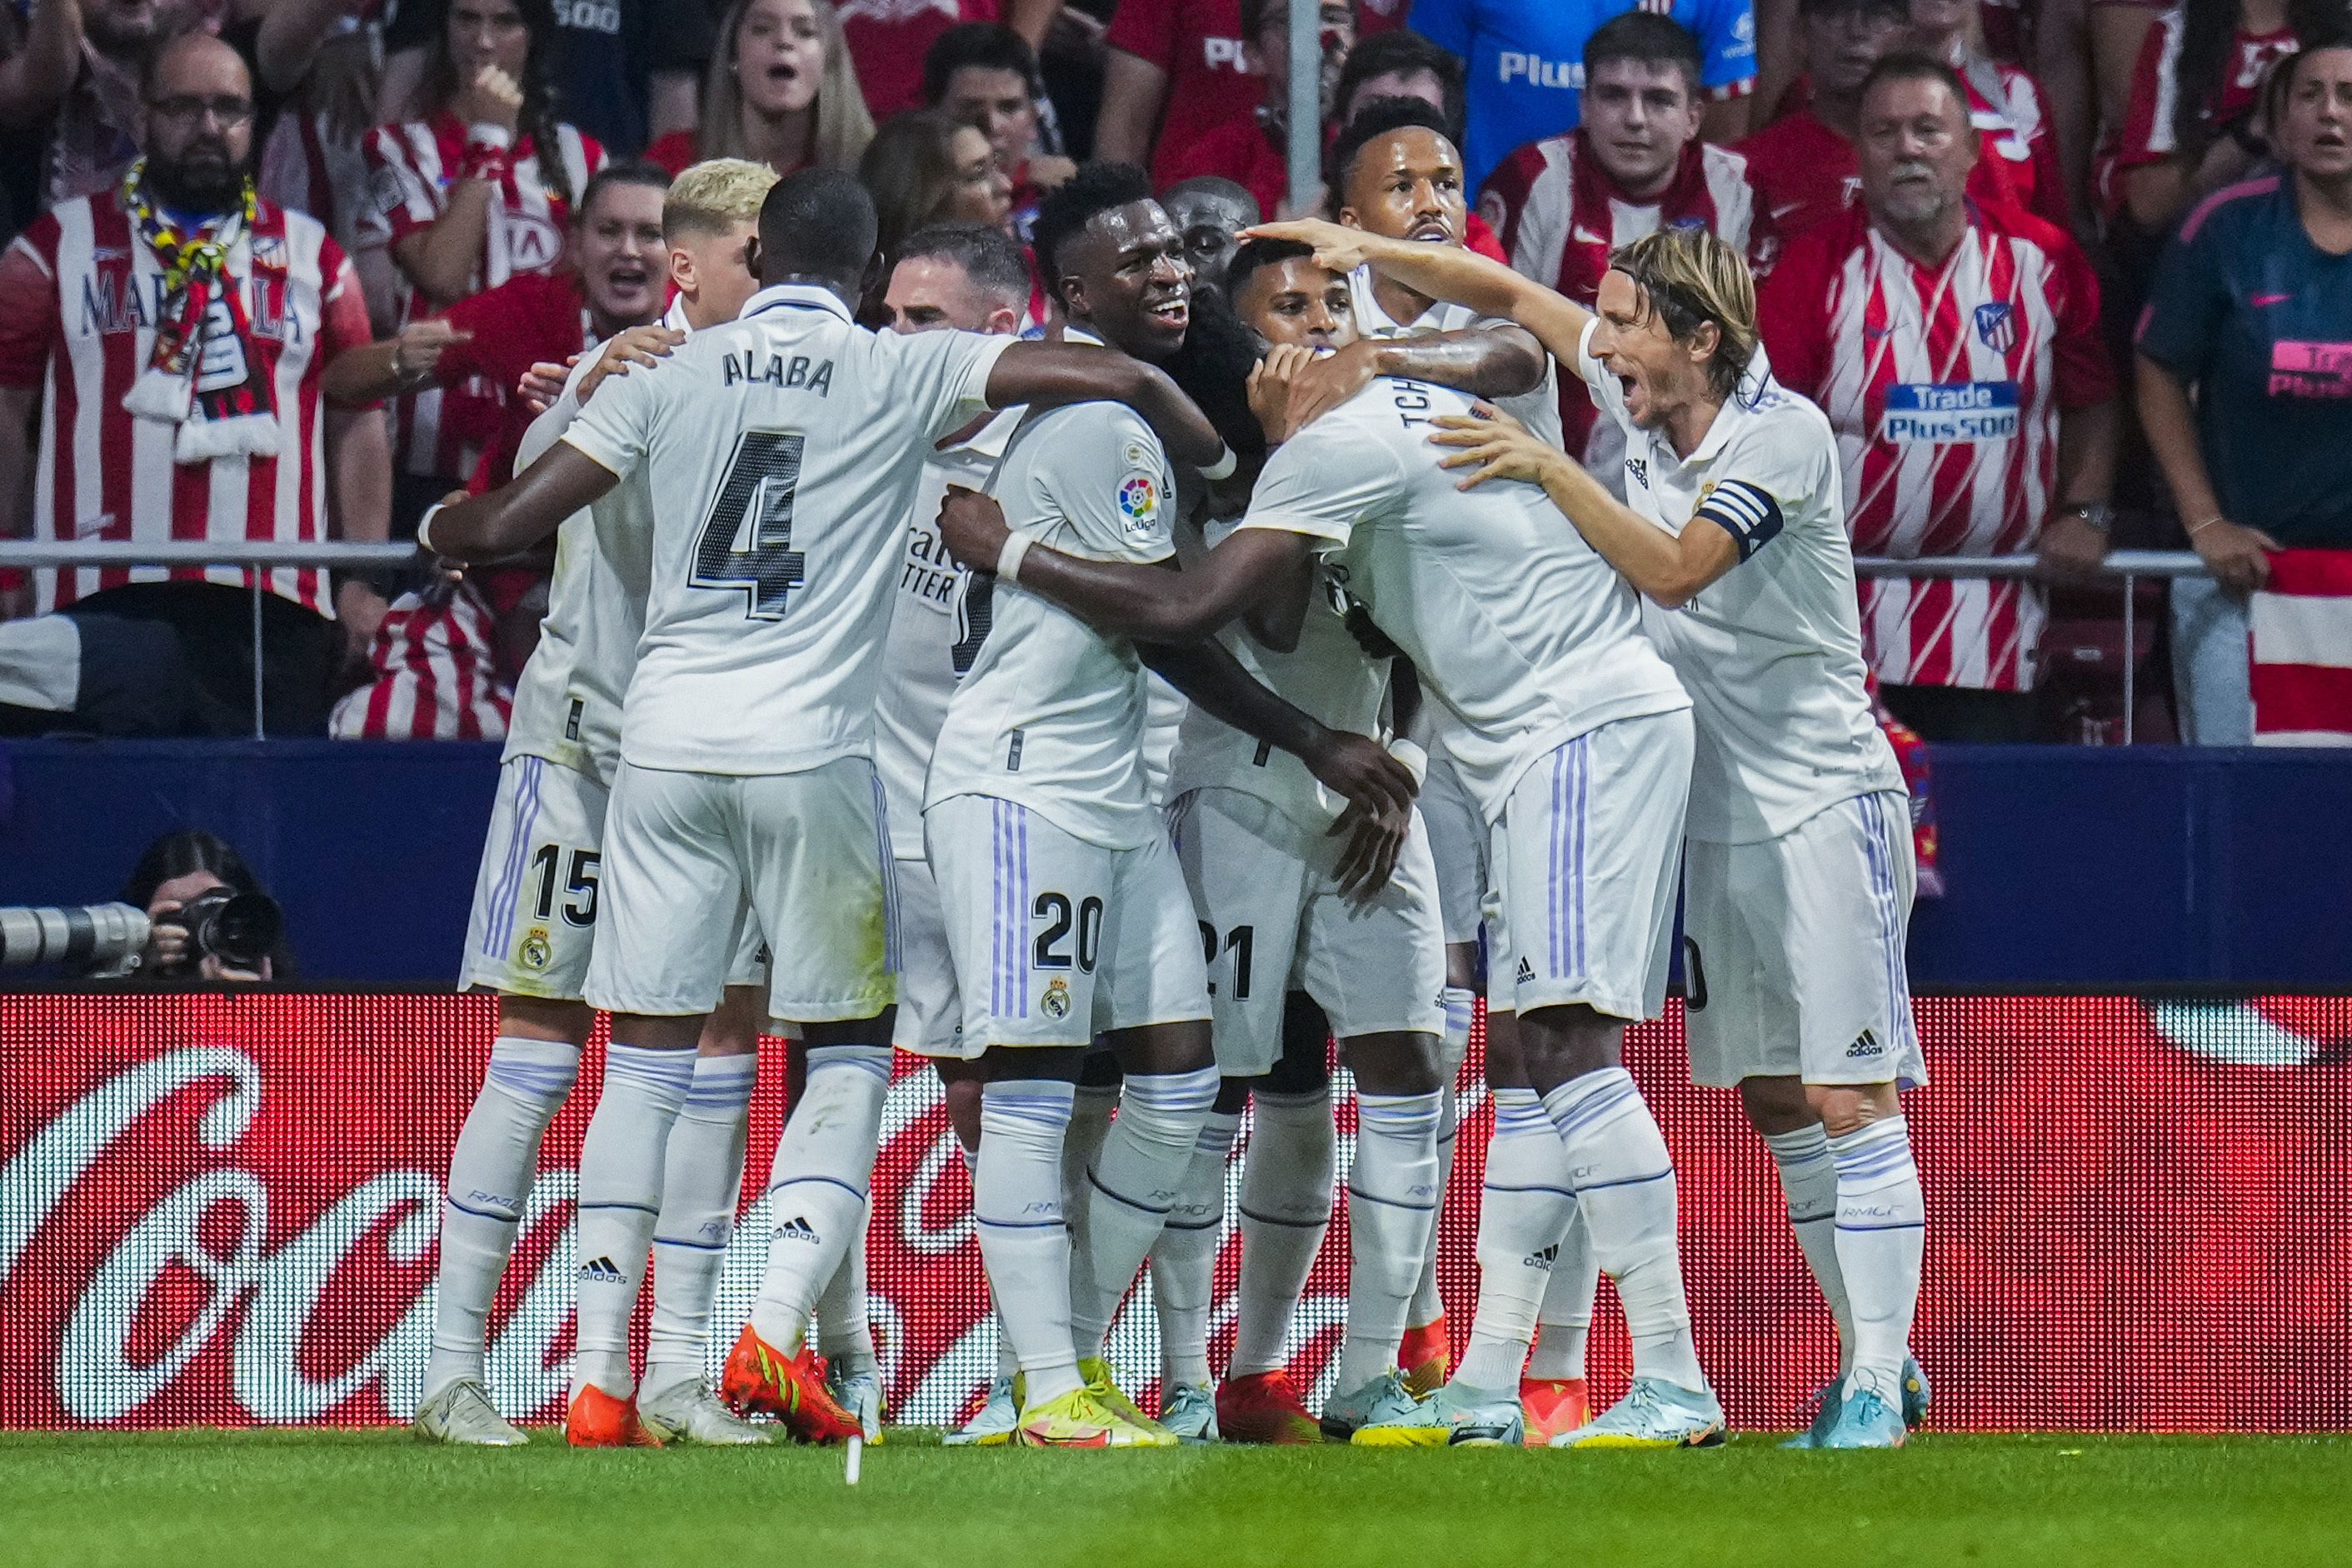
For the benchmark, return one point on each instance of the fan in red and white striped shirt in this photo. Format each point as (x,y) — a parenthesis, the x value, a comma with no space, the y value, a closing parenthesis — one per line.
(1959,388)
(477,192)
(1562,205)
(434,659)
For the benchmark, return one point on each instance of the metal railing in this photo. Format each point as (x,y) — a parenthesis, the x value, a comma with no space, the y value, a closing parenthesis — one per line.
(2128,565)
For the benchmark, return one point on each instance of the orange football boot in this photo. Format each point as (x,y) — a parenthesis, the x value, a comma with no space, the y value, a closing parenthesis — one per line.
(1264,1407)
(1426,1358)
(597,1420)
(761,1380)
(1550,1406)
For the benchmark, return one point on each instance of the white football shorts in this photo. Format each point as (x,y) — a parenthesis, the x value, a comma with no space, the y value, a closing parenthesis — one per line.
(1457,845)
(809,851)
(1584,857)
(1056,940)
(535,897)
(931,1011)
(1792,951)
(1269,908)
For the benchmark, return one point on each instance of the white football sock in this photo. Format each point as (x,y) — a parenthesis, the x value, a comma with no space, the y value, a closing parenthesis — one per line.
(1523,1209)
(816,1186)
(1286,1208)
(1625,1183)
(490,1174)
(1452,1046)
(1564,1321)
(622,1163)
(1005,1364)
(1809,1181)
(702,1182)
(1881,1235)
(1131,1187)
(1090,1111)
(1017,1205)
(845,1334)
(1184,1259)
(1391,1210)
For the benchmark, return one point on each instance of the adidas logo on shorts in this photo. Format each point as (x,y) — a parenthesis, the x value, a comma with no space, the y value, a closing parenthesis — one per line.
(1526,973)
(796,1229)
(603,1271)
(1543,1260)
(1865,1045)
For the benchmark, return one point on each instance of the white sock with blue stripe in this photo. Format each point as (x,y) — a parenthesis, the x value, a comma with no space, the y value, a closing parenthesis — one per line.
(490,1174)
(1391,1209)
(1882,1219)
(1017,1205)
(702,1182)
(1522,1210)
(1452,1046)
(1184,1258)
(1131,1187)
(1285,1208)
(1564,1323)
(1625,1183)
(1809,1181)
(622,1171)
(816,1187)
(844,1331)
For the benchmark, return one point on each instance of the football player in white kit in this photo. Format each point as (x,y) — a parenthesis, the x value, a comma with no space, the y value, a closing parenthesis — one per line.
(1576,742)
(1067,910)
(534,918)
(780,453)
(1798,872)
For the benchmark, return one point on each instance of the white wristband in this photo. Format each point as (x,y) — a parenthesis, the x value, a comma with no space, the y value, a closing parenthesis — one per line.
(1223,466)
(1008,559)
(425,529)
(485,133)
(1415,760)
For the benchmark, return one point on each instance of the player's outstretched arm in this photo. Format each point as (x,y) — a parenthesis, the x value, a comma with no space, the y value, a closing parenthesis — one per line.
(1142,602)
(514,517)
(1445,272)
(1047,375)
(1669,568)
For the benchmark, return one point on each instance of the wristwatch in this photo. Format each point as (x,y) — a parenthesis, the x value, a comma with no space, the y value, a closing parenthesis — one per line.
(2099,514)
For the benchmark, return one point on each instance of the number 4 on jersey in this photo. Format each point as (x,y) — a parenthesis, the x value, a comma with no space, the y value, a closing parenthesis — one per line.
(748,541)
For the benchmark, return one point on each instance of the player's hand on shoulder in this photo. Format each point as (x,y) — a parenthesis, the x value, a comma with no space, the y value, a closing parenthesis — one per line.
(543,383)
(1492,446)
(646,345)
(1291,386)
(972,525)
(1361,771)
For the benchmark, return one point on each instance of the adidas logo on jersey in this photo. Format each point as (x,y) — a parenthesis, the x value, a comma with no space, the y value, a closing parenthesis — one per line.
(1543,1260)
(796,1229)
(1527,975)
(1865,1045)
(603,1271)
(1640,468)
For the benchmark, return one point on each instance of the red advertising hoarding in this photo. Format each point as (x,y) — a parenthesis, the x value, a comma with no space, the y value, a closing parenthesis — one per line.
(221,1210)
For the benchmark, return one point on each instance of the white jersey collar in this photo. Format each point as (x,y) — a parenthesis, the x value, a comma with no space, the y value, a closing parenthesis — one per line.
(797,297)
(675,317)
(1074,333)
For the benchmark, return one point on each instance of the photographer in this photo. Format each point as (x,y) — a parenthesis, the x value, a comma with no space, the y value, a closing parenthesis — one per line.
(206,929)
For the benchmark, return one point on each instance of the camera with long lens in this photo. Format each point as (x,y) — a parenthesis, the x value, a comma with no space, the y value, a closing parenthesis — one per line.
(241,929)
(86,938)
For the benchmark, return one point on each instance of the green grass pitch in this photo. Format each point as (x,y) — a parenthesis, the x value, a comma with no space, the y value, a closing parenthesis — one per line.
(190,1500)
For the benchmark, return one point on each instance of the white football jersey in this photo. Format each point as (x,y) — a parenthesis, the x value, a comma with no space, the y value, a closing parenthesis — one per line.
(1771,653)
(1327,675)
(781,453)
(1052,714)
(567,701)
(1537,410)
(1164,708)
(937,624)
(1511,619)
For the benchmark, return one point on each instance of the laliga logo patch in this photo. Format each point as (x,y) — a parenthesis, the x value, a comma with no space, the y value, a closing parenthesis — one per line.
(1056,1000)
(1139,502)
(1997,327)
(535,953)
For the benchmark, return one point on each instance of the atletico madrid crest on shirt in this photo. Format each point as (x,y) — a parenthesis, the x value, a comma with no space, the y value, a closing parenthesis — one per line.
(1997,326)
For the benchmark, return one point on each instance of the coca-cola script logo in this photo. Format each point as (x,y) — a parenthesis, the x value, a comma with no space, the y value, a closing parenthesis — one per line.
(222,1210)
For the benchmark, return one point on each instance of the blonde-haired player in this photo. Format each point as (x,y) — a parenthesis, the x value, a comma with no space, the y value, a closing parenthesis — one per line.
(534,919)
(1798,870)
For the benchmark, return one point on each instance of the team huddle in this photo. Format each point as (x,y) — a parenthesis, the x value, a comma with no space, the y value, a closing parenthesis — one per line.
(1118,721)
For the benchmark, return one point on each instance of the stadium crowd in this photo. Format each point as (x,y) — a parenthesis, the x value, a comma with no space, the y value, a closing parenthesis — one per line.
(474,186)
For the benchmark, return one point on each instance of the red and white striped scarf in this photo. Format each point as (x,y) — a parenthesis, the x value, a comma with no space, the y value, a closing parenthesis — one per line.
(2300,641)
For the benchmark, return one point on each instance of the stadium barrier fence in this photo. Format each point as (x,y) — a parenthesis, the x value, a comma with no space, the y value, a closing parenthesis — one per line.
(221,1209)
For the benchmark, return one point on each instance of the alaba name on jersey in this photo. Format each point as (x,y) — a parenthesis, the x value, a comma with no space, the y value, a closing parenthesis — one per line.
(1538,410)
(780,453)
(1325,675)
(1526,634)
(1771,652)
(567,700)
(1051,712)
(937,624)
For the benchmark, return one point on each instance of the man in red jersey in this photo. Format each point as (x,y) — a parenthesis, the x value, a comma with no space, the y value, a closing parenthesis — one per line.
(1956,349)
(1175,72)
